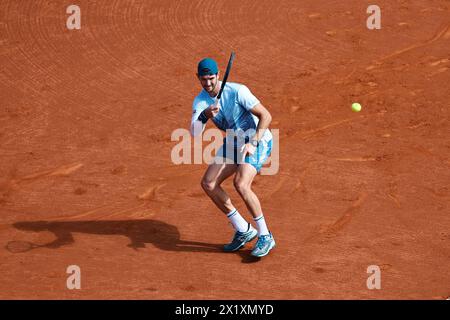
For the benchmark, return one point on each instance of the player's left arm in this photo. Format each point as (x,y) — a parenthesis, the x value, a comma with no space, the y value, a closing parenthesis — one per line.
(265,118)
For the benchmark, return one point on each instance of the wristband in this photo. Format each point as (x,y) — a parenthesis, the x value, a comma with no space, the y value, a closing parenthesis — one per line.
(202,117)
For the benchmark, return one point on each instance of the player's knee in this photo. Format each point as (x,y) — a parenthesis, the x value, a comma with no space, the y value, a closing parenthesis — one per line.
(208,185)
(241,185)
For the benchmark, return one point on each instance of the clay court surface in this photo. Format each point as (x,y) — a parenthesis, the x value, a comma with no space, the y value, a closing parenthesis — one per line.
(86,177)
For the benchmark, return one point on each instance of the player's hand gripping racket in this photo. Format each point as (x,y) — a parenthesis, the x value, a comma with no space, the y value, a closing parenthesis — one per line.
(225,78)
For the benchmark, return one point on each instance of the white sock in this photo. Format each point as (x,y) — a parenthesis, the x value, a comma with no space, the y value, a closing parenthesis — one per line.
(237,221)
(261,225)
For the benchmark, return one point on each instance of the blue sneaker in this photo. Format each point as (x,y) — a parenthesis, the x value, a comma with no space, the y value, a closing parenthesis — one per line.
(263,246)
(240,239)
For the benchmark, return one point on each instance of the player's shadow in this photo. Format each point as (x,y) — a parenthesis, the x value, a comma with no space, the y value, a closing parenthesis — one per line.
(247,257)
(140,232)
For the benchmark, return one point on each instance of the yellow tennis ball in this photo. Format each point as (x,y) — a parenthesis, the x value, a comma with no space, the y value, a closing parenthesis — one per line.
(356,107)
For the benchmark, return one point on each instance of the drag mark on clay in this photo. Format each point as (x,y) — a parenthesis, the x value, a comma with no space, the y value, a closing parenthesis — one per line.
(441,193)
(346,217)
(331,230)
(428,152)
(360,159)
(418,125)
(126,212)
(438,62)
(142,213)
(151,193)
(13,182)
(312,133)
(443,33)
(394,198)
(299,184)
(288,179)
(60,171)
(82,214)
(103,212)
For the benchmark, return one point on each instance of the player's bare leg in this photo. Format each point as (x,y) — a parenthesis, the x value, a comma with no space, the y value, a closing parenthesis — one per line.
(211,183)
(243,184)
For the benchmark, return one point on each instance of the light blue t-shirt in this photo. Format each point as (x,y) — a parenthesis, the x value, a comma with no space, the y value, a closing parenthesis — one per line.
(235,105)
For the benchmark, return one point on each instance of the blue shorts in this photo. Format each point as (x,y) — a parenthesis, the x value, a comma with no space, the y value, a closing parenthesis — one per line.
(232,154)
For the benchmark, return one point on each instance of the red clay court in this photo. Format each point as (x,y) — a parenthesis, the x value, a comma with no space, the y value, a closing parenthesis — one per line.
(86,177)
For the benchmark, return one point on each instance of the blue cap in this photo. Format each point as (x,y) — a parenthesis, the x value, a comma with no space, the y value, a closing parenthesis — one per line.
(207,67)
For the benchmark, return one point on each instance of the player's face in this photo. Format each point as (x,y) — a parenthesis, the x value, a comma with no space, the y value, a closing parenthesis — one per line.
(209,82)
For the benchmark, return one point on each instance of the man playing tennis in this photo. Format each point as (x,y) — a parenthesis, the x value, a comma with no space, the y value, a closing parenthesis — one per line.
(246,147)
